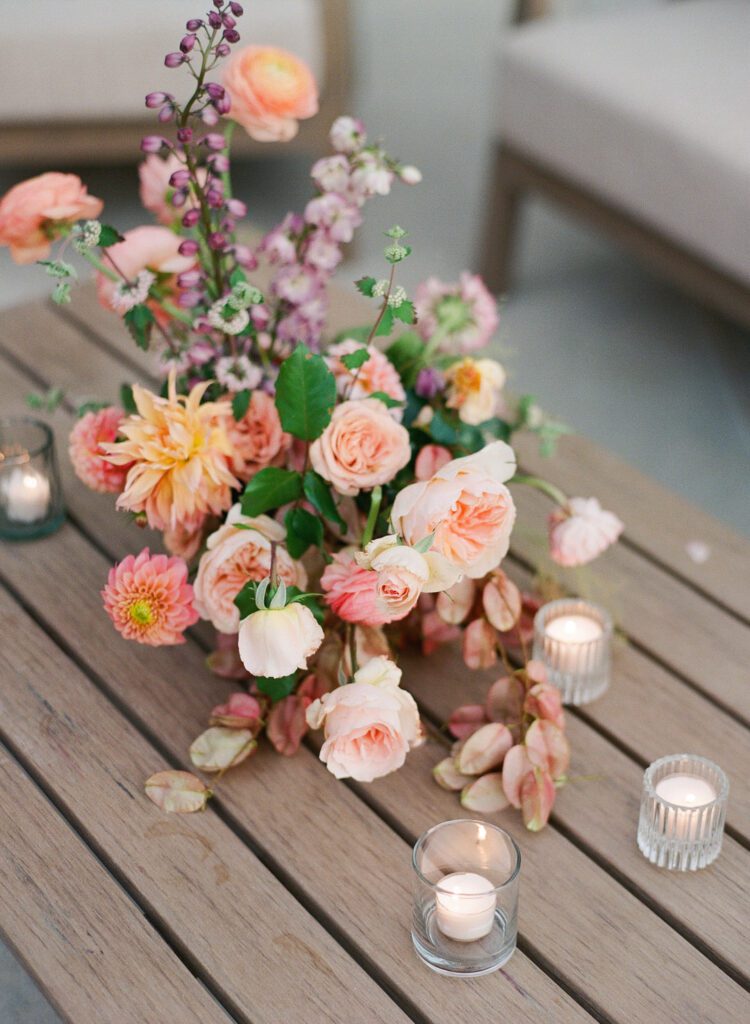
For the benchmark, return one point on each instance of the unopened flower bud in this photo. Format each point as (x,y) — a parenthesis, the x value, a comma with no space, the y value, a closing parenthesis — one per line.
(236,207)
(216,240)
(245,257)
(179,198)
(219,162)
(191,218)
(410,175)
(231,35)
(173,60)
(209,116)
(152,143)
(189,279)
(179,179)
(214,90)
(223,50)
(214,19)
(187,42)
(185,135)
(223,105)
(228,21)
(166,113)
(214,198)
(214,140)
(193,24)
(156,99)
(188,248)
(189,298)
(236,9)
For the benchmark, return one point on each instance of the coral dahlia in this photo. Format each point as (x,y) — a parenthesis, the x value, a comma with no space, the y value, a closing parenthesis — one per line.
(149,599)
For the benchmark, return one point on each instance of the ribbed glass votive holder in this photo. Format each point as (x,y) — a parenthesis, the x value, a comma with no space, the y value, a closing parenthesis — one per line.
(574,640)
(465,897)
(31,502)
(683,809)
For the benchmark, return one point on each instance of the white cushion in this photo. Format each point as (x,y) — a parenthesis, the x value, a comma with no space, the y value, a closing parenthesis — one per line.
(648,108)
(80,60)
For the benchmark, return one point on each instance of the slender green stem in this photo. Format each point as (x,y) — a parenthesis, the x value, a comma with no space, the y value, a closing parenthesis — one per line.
(226,176)
(544,486)
(175,312)
(434,343)
(375,499)
(351,633)
(95,262)
(383,308)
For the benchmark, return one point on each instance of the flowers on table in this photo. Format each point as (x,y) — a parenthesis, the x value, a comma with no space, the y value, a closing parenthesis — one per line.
(336,497)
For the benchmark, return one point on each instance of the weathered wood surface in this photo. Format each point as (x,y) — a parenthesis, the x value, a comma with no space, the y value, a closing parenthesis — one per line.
(602,932)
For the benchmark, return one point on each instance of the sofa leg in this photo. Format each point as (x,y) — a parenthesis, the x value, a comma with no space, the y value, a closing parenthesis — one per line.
(503,208)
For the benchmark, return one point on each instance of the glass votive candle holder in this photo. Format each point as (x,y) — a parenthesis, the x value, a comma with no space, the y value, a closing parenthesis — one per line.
(465,897)
(683,809)
(31,503)
(573,639)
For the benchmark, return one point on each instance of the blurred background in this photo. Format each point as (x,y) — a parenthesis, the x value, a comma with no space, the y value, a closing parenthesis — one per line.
(626,282)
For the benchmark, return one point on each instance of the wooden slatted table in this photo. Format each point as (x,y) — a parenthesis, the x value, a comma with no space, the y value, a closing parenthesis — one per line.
(289,900)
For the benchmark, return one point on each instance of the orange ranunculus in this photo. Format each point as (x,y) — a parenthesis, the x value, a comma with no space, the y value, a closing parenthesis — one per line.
(32,209)
(270,89)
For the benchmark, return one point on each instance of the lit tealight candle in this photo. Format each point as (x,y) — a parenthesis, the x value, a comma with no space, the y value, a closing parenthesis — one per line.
(573,639)
(571,632)
(688,793)
(465,906)
(25,494)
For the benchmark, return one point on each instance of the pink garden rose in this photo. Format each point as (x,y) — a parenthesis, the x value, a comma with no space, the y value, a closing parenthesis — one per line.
(154,174)
(351,591)
(149,599)
(466,507)
(361,447)
(84,448)
(32,212)
(257,438)
(370,724)
(377,374)
(240,550)
(270,90)
(431,458)
(580,532)
(145,248)
(465,311)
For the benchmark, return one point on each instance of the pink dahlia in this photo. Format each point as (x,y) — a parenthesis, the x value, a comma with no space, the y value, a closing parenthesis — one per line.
(87,455)
(580,532)
(465,312)
(149,599)
(352,591)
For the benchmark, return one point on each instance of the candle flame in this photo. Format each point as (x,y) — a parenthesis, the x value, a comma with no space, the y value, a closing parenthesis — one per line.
(481,833)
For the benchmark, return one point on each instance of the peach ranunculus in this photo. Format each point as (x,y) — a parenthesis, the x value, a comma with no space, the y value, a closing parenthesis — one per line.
(180,456)
(431,458)
(84,447)
(361,447)
(473,388)
(377,374)
(466,507)
(32,212)
(257,438)
(270,90)
(154,174)
(239,551)
(277,641)
(149,599)
(370,724)
(351,591)
(145,248)
(581,531)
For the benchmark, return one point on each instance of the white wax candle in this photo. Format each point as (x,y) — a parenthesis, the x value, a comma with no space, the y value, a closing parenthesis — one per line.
(689,793)
(25,494)
(465,906)
(570,633)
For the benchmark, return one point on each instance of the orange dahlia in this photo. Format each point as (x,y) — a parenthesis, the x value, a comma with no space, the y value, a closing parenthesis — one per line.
(181,457)
(149,599)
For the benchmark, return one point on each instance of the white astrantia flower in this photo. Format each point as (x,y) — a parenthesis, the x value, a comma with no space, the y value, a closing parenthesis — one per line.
(235,324)
(128,294)
(237,373)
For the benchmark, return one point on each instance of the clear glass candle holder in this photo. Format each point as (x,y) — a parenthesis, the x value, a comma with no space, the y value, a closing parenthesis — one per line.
(31,503)
(574,640)
(683,809)
(465,897)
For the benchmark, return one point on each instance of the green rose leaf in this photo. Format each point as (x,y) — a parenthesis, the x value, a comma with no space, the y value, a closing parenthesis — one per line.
(276,687)
(139,321)
(305,394)
(108,236)
(318,493)
(386,399)
(270,488)
(303,529)
(407,355)
(126,399)
(238,276)
(366,285)
(240,403)
(354,360)
(496,428)
(441,430)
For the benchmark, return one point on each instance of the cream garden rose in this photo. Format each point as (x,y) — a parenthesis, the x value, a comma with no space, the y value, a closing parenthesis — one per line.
(473,388)
(361,447)
(370,724)
(276,642)
(466,507)
(404,573)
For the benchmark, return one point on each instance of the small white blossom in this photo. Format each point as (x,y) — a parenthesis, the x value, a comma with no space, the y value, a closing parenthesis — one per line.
(396,253)
(380,288)
(410,175)
(347,134)
(397,296)
(128,294)
(236,373)
(87,235)
(233,325)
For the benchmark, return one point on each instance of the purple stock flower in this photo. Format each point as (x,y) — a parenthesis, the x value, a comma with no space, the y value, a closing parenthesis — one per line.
(189,298)
(187,42)
(322,252)
(335,213)
(331,173)
(245,257)
(173,60)
(429,382)
(296,283)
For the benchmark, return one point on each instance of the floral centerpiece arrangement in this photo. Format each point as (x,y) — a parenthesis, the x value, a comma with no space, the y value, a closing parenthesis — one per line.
(317,497)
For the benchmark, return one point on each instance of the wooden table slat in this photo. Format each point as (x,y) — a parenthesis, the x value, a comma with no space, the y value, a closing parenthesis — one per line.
(78,932)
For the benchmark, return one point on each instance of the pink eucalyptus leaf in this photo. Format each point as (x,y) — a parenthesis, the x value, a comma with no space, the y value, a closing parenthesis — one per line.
(547,748)
(523,631)
(544,701)
(466,720)
(536,671)
(218,748)
(479,644)
(313,687)
(436,632)
(485,795)
(501,600)
(177,792)
(287,725)
(537,799)
(454,604)
(515,767)
(241,711)
(448,777)
(484,749)
(225,660)
(505,702)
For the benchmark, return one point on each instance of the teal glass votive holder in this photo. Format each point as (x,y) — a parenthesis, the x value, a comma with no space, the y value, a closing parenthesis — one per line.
(31,501)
